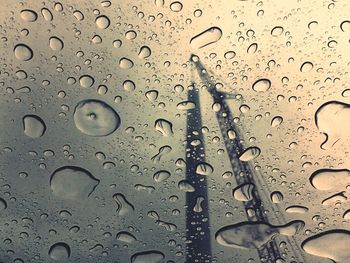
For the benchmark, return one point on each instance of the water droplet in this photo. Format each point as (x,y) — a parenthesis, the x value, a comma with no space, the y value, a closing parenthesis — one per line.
(161,176)
(102,22)
(95,118)
(125,237)
(252,48)
(164,127)
(148,257)
(176,6)
(33,126)
(23,52)
(29,15)
(59,251)
(186,105)
(130,35)
(86,81)
(276,121)
(46,13)
(186,186)
(250,154)
(244,192)
(276,197)
(3,204)
(125,63)
(277,31)
(332,119)
(72,182)
(207,37)
(164,150)
(335,199)
(230,54)
(144,52)
(129,85)
(204,169)
(331,244)
(306,66)
(330,179)
(124,206)
(297,209)
(151,95)
(261,85)
(253,235)
(56,44)
(78,15)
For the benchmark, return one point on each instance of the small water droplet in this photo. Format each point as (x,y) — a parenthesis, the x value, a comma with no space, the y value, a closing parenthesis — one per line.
(33,126)
(23,52)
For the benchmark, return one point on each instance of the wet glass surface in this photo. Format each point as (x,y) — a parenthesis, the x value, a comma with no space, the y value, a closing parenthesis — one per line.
(174,131)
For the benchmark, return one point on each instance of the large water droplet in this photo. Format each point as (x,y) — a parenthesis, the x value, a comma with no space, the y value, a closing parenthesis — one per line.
(176,6)
(261,85)
(72,182)
(125,63)
(33,126)
(102,22)
(253,235)
(204,169)
(56,44)
(3,204)
(332,119)
(164,127)
(147,257)
(207,37)
(125,237)
(330,179)
(161,176)
(333,244)
(276,121)
(86,81)
(29,15)
(306,66)
(244,192)
(60,251)
(23,52)
(144,52)
(46,13)
(95,118)
(250,154)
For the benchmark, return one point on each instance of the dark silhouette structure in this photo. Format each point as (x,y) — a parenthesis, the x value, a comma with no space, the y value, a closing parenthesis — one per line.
(197,220)
(242,171)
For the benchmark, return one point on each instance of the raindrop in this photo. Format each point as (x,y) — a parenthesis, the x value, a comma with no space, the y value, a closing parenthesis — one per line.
(144,52)
(250,154)
(151,95)
(261,85)
(29,15)
(207,37)
(176,6)
(102,22)
(161,176)
(33,126)
(46,13)
(306,66)
(276,121)
(204,169)
(78,15)
(60,251)
(244,192)
(277,31)
(56,44)
(331,244)
(276,197)
(129,85)
(164,127)
(72,182)
(330,179)
(148,257)
(95,118)
(254,235)
(125,237)
(297,209)
(86,81)
(23,52)
(125,63)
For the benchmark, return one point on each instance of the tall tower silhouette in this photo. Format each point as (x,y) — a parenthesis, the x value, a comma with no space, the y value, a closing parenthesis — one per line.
(243,172)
